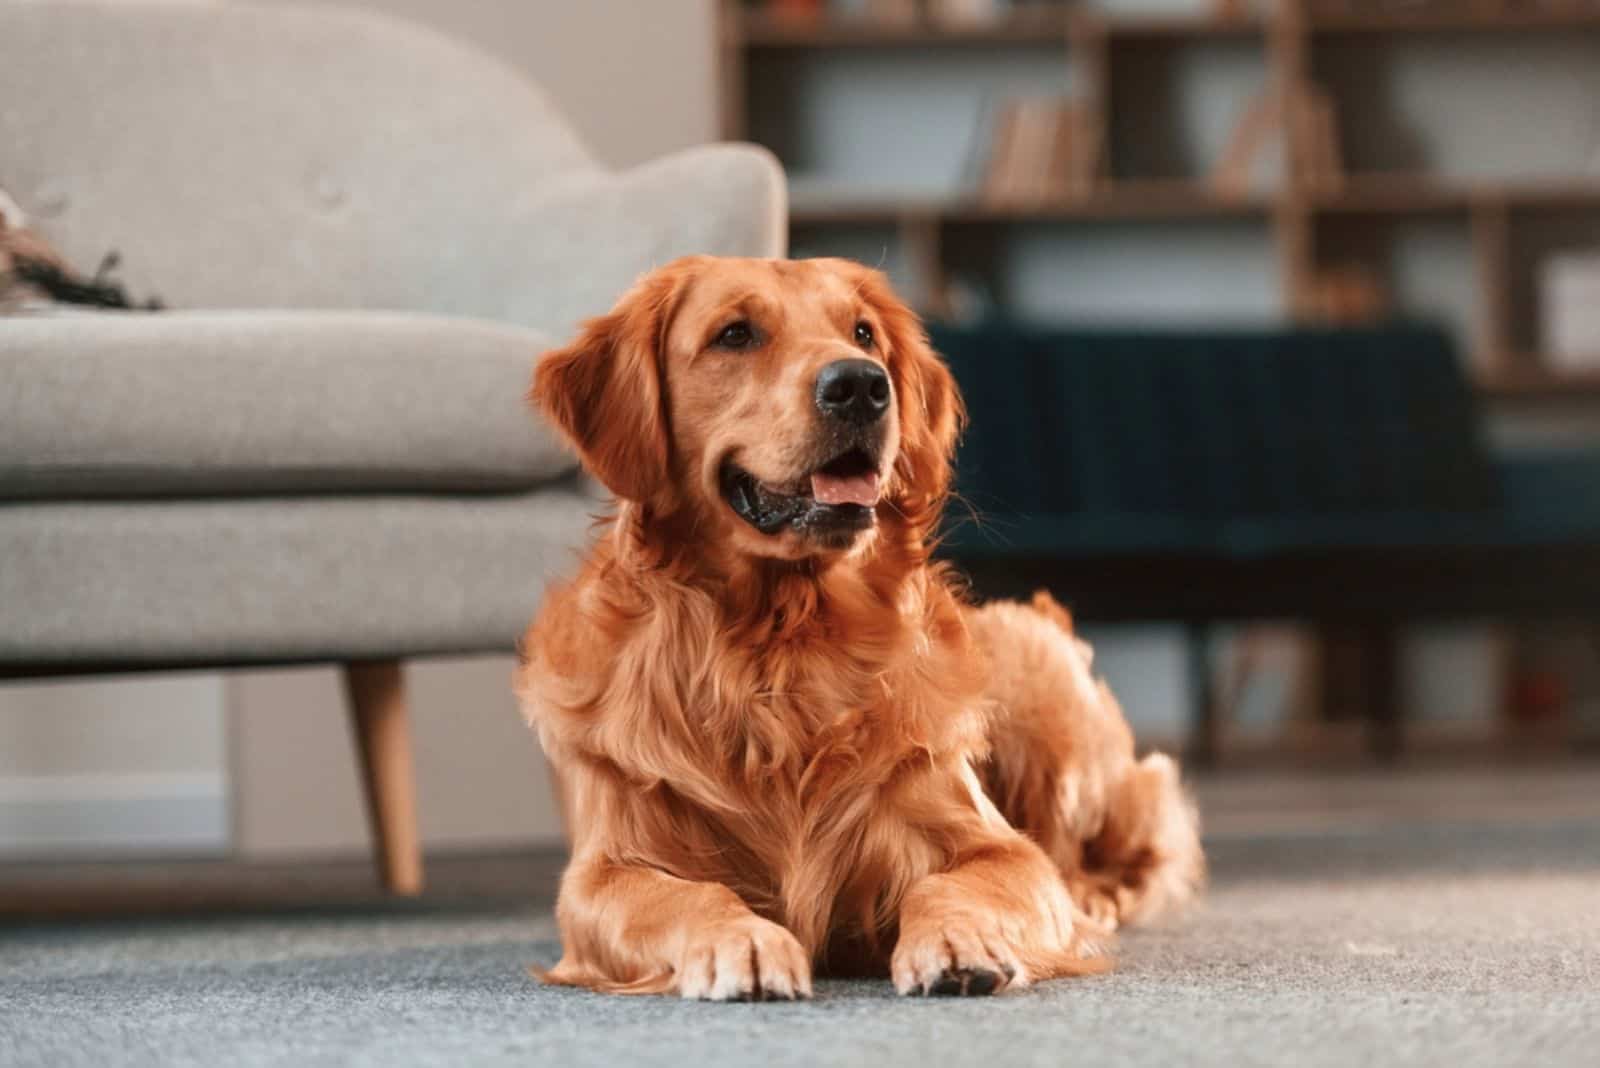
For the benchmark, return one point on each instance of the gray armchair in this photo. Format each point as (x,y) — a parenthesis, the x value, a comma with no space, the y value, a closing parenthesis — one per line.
(338,467)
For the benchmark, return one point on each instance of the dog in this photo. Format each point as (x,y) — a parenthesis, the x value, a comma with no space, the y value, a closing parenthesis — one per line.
(785,741)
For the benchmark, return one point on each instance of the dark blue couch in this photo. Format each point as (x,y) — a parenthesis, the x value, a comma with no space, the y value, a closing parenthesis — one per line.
(1330,476)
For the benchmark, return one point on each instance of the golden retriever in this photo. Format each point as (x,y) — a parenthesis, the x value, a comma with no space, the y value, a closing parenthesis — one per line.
(786,743)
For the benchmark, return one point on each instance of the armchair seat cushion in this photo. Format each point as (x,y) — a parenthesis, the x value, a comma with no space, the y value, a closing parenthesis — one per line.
(193,404)
(279,579)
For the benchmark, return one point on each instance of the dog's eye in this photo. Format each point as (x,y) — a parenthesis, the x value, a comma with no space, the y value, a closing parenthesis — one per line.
(735,337)
(864,335)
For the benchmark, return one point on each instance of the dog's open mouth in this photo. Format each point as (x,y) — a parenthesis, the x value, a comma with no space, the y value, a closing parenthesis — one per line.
(839,496)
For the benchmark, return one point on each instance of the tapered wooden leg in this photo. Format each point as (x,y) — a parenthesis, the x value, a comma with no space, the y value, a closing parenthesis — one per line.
(376,690)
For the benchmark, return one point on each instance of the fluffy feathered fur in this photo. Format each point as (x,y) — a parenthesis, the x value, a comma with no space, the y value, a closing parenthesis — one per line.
(782,752)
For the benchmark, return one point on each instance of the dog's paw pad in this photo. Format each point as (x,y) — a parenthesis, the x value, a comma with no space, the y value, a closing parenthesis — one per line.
(966,982)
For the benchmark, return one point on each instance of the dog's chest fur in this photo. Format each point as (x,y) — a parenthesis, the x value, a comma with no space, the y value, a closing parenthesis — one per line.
(767,765)
(809,835)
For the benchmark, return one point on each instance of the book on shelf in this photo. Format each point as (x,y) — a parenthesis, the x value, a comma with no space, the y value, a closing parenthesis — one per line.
(1569,310)
(967,12)
(1256,156)
(1040,149)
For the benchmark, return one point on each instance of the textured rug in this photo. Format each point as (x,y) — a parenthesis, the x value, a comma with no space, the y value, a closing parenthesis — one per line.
(1389,945)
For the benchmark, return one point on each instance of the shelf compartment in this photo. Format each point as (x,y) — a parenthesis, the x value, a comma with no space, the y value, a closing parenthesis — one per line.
(1124,200)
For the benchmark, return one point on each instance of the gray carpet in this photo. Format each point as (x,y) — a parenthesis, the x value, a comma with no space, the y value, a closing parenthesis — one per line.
(1390,946)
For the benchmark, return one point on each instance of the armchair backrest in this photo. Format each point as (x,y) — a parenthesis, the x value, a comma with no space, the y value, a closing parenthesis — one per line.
(244,156)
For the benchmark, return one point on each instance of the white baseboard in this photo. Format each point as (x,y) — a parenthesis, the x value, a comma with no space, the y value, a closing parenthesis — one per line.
(74,815)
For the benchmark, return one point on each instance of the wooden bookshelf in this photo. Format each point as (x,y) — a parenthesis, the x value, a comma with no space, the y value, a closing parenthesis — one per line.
(760,30)
(1113,201)
(1489,210)
(1523,379)
(1465,18)
(1181,27)
(764,31)
(1416,194)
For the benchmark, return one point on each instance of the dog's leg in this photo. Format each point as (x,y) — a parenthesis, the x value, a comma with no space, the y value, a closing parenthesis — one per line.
(1146,858)
(999,916)
(632,929)
(1122,832)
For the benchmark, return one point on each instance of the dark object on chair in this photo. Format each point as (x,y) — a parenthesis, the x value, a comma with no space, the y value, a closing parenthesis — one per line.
(64,287)
(1340,477)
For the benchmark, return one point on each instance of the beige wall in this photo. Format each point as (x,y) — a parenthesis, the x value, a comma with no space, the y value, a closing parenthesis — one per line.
(113,764)
(637,79)
(481,781)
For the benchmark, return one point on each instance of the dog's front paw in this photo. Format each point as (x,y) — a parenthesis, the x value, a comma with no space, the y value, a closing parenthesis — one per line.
(959,956)
(746,959)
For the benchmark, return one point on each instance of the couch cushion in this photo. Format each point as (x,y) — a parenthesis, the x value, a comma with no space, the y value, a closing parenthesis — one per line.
(239,403)
(279,579)
(1551,501)
(1217,424)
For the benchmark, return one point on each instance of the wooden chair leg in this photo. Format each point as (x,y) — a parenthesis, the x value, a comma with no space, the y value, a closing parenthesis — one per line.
(376,691)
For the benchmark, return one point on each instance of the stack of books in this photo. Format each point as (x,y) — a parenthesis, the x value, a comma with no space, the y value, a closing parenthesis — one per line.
(1040,149)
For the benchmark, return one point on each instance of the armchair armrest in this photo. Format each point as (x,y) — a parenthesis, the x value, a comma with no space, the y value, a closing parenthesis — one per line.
(241,403)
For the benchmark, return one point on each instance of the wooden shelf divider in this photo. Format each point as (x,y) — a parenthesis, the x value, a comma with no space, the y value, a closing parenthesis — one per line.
(1490,228)
(1523,378)
(769,31)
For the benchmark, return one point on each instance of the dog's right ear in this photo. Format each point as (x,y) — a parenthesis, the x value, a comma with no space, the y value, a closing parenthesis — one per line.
(603,391)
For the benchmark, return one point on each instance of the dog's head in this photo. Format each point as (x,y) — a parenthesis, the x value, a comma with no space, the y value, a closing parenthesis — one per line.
(792,405)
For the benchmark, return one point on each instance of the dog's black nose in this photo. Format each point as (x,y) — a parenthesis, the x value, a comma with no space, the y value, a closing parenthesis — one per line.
(856,391)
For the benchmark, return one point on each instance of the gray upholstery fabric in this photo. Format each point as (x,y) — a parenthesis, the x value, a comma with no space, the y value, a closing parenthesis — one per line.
(251,157)
(204,403)
(296,578)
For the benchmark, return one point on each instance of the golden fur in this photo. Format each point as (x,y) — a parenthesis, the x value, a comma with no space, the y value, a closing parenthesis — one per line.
(783,752)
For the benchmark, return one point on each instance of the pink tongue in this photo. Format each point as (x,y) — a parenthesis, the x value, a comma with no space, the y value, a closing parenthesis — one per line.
(852,489)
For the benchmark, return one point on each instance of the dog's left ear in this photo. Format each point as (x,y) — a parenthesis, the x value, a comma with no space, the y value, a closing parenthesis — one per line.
(931,411)
(603,391)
